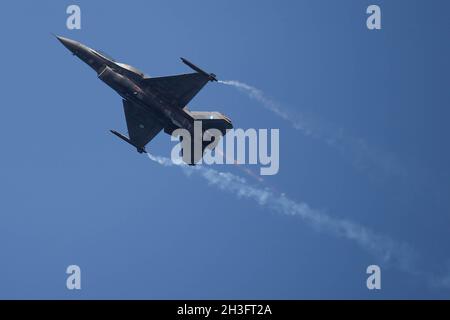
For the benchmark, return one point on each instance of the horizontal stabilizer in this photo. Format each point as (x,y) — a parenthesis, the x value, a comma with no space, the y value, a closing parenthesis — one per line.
(212,120)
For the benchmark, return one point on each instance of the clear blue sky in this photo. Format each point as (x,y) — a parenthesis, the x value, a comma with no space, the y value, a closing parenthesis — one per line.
(72,193)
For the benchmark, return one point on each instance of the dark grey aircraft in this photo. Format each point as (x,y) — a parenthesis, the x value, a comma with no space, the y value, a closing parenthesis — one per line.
(152,104)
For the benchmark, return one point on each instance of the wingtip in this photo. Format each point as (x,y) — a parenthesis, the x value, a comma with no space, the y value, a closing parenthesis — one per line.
(213,77)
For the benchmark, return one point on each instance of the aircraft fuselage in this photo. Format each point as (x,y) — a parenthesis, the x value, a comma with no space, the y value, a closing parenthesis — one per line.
(126,81)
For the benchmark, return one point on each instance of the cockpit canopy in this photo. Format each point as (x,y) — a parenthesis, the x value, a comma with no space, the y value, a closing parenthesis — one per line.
(107,56)
(122,65)
(130,68)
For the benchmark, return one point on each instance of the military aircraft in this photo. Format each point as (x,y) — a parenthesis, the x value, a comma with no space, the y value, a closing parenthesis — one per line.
(152,104)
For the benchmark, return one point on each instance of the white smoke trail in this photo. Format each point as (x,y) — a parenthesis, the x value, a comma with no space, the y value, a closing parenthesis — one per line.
(389,251)
(268,103)
(357,151)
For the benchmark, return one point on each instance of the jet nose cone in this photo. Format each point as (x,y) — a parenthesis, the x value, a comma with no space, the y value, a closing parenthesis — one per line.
(68,43)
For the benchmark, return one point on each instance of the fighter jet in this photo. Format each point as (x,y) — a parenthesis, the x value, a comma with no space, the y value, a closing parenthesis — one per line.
(152,104)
